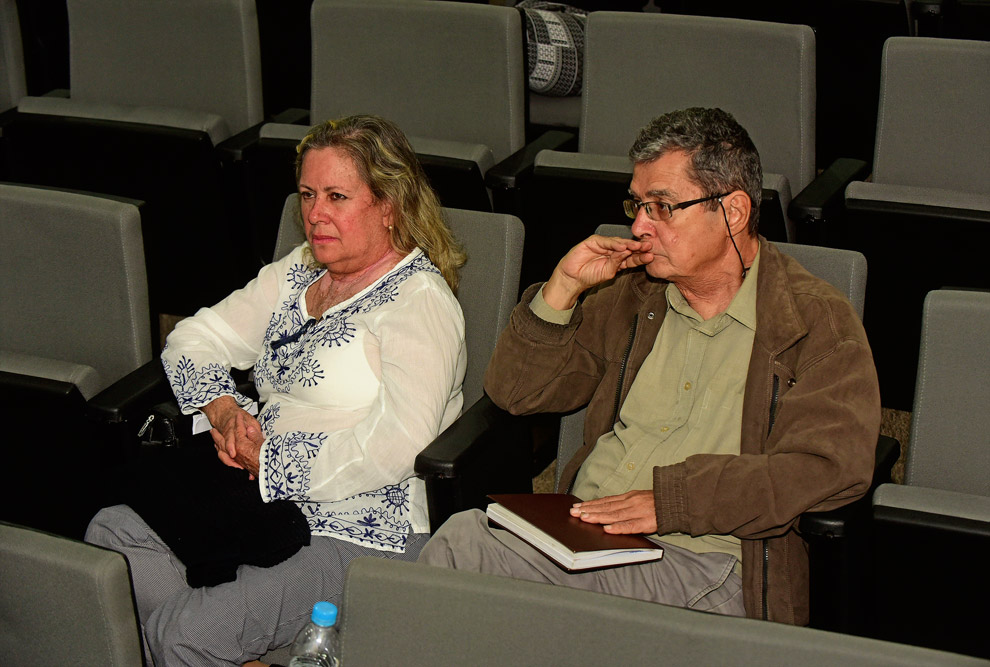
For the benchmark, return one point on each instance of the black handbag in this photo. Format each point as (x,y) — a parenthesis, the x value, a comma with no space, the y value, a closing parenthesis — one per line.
(210,515)
(165,426)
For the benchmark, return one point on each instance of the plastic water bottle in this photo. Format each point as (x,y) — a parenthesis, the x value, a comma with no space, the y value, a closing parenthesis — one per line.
(317,644)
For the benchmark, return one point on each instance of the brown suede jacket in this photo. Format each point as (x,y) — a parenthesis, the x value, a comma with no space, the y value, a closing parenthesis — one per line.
(811,413)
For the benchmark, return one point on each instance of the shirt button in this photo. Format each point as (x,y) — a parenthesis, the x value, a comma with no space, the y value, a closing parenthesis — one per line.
(631,466)
(687,386)
(664,429)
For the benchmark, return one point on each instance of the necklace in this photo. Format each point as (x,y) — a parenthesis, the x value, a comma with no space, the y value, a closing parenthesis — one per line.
(327,292)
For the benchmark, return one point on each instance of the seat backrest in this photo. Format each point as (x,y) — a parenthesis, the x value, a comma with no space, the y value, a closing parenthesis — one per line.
(843,269)
(440,70)
(200,55)
(489,285)
(489,281)
(931,125)
(64,602)
(950,448)
(12,82)
(455,617)
(638,66)
(74,286)
(290,228)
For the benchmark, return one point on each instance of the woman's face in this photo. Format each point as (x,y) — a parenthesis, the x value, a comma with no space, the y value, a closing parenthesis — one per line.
(346,227)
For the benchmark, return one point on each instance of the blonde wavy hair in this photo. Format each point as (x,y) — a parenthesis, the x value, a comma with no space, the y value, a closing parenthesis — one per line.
(388,165)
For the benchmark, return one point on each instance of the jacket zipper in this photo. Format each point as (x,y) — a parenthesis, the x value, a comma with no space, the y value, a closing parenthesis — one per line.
(773,402)
(766,544)
(622,368)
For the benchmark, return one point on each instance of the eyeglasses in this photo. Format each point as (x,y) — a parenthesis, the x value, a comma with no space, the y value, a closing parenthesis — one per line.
(658,211)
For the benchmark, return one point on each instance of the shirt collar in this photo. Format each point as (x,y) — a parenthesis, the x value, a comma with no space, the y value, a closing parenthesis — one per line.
(742,308)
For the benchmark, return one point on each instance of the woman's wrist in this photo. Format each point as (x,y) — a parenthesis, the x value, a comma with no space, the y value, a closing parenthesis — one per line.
(219,409)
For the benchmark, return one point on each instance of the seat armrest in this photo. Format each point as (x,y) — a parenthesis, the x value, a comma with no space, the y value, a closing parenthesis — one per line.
(839,553)
(933,509)
(450,454)
(232,149)
(837,523)
(512,172)
(292,116)
(486,450)
(822,198)
(131,396)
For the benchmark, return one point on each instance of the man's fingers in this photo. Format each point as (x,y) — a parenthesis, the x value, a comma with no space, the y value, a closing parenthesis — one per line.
(636,259)
(632,512)
(616,243)
(636,526)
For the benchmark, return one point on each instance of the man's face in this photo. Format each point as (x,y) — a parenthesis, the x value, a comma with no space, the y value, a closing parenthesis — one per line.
(689,245)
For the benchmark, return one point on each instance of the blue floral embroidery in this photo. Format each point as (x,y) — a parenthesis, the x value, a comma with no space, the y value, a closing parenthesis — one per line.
(267,418)
(287,458)
(365,518)
(376,518)
(290,342)
(300,275)
(379,519)
(194,386)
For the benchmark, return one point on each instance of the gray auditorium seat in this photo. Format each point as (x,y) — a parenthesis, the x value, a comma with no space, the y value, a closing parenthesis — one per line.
(437,616)
(458,93)
(156,86)
(943,507)
(191,64)
(74,295)
(638,66)
(489,451)
(73,320)
(64,602)
(925,210)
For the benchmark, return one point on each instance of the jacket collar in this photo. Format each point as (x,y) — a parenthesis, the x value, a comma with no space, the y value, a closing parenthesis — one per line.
(778,324)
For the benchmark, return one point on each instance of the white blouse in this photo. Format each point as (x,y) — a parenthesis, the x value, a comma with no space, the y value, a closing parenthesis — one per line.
(349,399)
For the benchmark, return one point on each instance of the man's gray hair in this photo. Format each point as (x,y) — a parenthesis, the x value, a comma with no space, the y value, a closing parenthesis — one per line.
(723,157)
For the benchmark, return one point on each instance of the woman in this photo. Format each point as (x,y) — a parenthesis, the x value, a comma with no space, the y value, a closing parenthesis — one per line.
(358,348)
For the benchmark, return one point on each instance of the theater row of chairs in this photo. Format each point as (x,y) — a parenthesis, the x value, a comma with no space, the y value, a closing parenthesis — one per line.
(62,441)
(175,120)
(850,34)
(77,373)
(458,93)
(434,616)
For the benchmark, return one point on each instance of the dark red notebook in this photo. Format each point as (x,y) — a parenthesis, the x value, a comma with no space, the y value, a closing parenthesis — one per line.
(543,520)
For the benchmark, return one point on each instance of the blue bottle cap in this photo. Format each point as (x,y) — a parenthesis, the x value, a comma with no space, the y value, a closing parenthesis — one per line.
(324,614)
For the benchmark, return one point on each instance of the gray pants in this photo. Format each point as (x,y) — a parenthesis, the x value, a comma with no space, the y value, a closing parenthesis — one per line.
(234,622)
(681,578)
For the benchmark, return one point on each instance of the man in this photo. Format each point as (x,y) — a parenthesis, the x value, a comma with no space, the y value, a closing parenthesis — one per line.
(728,389)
